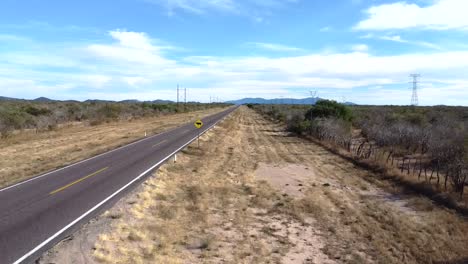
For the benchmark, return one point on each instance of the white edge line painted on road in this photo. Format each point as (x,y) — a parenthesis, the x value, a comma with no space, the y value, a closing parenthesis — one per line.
(108,198)
(88,159)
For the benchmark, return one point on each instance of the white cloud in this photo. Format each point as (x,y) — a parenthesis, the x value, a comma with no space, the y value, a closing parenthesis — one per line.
(136,80)
(274,47)
(360,48)
(351,64)
(133,65)
(96,80)
(133,47)
(440,15)
(35,60)
(393,38)
(397,38)
(28,88)
(137,40)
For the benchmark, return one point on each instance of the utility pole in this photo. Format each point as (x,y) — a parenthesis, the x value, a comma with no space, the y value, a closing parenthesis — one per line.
(185,99)
(414,96)
(177,96)
(313,94)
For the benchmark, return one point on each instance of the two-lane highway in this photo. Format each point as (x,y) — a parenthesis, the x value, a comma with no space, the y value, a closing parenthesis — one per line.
(37,213)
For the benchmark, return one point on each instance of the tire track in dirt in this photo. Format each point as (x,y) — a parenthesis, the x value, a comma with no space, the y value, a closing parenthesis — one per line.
(363,222)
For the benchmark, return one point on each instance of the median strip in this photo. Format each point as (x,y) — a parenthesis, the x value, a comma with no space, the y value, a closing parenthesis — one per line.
(77,181)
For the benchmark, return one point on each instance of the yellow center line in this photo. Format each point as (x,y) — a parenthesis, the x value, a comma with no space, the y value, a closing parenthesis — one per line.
(157,144)
(77,181)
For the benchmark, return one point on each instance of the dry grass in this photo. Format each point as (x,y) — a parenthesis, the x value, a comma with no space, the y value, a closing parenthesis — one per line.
(388,175)
(27,154)
(254,194)
(208,208)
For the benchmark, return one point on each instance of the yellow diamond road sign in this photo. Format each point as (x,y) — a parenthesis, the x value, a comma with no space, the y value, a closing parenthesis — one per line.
(198,123)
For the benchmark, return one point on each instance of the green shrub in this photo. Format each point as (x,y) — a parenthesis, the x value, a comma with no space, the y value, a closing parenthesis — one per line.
(297,125)
(329,109)
(35,111)
(110,111)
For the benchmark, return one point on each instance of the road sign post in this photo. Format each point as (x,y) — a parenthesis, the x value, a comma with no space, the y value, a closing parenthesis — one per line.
(198,124)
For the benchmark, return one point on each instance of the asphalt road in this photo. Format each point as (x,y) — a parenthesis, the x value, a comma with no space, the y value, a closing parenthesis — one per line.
(38,213)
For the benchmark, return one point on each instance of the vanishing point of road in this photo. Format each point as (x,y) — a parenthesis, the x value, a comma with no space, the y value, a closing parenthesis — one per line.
(37,213)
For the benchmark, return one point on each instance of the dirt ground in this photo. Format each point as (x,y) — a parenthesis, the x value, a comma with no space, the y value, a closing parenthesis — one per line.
(254,194)
(28,154)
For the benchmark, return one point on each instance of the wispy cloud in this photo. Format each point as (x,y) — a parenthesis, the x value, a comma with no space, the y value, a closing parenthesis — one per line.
(255,9)
(441,15)
(128,64)
(274,47)
(45,26)
(12,38)
(399,39)
(196,6)
(360,48)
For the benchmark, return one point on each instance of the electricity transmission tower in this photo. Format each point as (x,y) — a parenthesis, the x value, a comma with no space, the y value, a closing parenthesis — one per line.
(313,94)
(414,97)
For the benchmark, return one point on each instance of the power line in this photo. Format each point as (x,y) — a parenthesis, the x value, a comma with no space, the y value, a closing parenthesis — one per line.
(414,96)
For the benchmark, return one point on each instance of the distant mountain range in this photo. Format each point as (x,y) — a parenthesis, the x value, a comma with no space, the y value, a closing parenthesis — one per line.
(304,101)
(48,100)
(43,100)
(3,98)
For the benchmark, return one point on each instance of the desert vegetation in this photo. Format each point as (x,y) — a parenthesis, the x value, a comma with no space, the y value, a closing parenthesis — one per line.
(252,193)
(428,144)
(40,116)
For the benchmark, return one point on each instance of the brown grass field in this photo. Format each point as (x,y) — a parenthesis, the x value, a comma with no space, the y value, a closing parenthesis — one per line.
(27,154)
(254,194)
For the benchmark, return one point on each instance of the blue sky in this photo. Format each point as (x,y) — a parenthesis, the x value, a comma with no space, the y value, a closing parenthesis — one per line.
(359,50)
